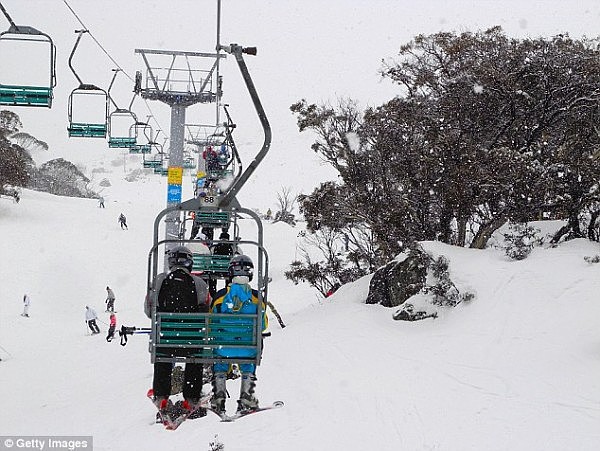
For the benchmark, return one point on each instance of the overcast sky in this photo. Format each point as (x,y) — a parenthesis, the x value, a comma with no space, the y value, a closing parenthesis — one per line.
(313,49)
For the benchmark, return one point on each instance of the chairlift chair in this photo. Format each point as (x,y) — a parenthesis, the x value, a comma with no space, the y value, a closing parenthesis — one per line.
(38,95)
(119,136)
(88,92)
(116,138)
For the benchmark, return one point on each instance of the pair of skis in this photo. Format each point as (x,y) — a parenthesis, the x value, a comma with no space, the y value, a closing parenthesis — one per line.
(172,419)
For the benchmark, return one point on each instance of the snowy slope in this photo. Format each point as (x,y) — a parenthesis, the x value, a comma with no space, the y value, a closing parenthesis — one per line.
(516,369)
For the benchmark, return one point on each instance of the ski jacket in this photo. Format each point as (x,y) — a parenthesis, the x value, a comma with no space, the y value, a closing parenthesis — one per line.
(113,321)
(26,301)
(111,295)
(238,299)
(202,301)
(90,314)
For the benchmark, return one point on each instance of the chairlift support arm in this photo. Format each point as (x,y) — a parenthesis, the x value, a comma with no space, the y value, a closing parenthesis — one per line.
(238,51)
(79,34)
(12,23)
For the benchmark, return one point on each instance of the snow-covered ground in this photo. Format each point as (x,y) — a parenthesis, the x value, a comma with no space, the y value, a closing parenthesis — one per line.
(518,368)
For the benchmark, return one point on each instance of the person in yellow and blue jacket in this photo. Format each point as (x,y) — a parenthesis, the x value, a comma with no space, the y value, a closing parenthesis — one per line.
(237,298)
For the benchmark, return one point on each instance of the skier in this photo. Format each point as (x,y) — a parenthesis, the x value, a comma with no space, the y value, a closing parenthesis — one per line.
(238,298)
(90,318)
(123,221)
(223,248)
(199,246)
(112,327)
(178,291)
(212,159)
(26,304)
(101,202)
(223,156)
(110,300)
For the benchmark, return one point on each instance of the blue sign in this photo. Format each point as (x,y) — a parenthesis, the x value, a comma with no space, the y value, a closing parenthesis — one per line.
(174,194)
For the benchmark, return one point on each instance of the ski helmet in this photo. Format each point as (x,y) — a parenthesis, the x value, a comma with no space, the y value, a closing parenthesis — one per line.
(241,265)
(181,256)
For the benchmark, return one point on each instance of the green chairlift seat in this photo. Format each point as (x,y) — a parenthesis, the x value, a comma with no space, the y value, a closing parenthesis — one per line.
(25,96)
(82,130)
(140,148)
(121,142)
(212,218)
(152,164)
(217,265)
(198,337)
(218,174)
(189,163)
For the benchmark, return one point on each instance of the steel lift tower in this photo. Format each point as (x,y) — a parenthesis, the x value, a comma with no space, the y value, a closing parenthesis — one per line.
(174,80)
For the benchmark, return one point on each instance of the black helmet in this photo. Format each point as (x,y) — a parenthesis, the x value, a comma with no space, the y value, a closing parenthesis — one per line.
(241,265)
(181,256)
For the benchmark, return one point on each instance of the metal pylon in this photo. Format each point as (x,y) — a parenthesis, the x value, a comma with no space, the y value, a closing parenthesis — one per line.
(179,85)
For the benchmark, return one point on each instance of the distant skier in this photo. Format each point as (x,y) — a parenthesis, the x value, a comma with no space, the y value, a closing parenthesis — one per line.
(90,318)
(238,298)
(110,300)
(101,202)
(178,291)
(123,221)
(112,327)
(26,304)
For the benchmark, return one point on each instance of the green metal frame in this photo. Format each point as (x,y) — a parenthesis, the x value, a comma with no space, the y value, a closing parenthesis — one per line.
(121,142)
(198,337)
(81,130)
(211,264)
(25,96)
(212,218)
(140,148)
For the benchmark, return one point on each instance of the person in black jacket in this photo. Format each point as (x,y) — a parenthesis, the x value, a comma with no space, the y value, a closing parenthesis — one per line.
(178,291)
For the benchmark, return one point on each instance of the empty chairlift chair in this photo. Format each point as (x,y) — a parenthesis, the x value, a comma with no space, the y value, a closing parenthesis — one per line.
(27,75)
(88,106)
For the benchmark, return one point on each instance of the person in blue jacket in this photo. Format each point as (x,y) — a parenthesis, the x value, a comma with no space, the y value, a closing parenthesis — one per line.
(237,298)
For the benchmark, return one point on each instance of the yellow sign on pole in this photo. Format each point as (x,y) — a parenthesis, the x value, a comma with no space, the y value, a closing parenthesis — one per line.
(175,176)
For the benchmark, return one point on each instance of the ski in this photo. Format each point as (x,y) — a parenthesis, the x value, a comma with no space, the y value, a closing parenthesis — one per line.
(163,414)
(178,420)
(175,415)
(242,413)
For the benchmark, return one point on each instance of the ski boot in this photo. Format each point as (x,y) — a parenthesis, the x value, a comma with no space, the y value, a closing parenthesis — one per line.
(247,399)
(191,405)
(217,402)
(164,405)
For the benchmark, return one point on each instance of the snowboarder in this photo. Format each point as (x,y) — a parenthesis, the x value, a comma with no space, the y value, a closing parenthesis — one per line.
(123,221)
(178,291)
(26,304)
(112,327)
(101,202)
(90,318)
(110,300)
(238,298)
